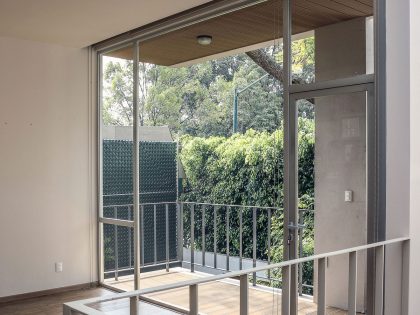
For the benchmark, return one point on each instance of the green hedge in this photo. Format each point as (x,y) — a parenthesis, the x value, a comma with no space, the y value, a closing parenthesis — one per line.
(246,169)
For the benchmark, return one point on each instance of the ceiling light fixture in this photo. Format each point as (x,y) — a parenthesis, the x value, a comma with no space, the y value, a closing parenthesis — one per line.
(204,40)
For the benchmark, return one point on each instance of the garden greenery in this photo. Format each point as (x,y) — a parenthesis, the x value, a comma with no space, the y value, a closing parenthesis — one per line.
(247,169)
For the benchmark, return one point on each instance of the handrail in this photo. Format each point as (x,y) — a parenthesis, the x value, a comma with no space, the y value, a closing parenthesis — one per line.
(194,283)
(229,205)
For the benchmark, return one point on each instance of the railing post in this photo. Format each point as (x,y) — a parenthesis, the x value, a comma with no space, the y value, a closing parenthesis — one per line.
(405,277)
(154,235)
(180,214)
(321,286)
(379,280)
(244,302)
(215,237)
(203,236)
(285,293)
(134,305)
(254,245)
(227,238)
(352,294)
(192,236)
(67,310)
(193,299)
(269,242)
(142,235)
(167,235)
(116,256)
(130,239)
(240,238)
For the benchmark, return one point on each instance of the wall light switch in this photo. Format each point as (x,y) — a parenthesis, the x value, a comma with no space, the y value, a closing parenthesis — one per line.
(348,196)
(58,267)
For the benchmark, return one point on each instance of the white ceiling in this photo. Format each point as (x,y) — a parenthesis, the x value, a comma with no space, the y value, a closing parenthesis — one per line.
(80,23)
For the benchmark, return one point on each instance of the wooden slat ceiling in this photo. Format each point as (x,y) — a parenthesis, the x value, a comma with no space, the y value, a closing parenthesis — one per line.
(249,26)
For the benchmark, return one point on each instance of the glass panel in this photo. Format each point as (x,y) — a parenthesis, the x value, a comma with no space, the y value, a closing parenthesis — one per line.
(331,40)
(332,187)
(117,169)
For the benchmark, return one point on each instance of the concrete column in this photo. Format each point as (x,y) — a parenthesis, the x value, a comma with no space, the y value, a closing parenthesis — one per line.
(340,155)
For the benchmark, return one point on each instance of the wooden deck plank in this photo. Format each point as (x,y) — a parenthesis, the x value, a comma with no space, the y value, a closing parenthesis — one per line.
(216,298)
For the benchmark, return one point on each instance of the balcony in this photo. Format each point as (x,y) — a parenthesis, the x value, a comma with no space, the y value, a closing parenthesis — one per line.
(232,275)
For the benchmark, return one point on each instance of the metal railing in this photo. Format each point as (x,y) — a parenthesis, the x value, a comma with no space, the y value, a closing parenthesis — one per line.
(86,306)
(112,217)
(201,218)
(228,211)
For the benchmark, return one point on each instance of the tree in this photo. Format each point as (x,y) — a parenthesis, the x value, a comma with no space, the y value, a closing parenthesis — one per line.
(198,99)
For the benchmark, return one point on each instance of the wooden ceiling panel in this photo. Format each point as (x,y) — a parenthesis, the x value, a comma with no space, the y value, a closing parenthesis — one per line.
(242,28)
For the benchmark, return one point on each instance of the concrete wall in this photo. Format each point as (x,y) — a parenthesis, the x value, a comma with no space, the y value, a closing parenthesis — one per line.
(46,181)
(340,156)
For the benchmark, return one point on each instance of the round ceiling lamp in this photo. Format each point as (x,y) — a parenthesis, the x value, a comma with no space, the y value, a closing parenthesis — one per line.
(204,40)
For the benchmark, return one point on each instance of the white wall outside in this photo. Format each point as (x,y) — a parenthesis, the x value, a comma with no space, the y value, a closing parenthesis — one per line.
(398,145)
(414,304)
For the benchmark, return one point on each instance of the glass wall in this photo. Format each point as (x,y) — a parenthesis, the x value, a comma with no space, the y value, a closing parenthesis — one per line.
(116,119)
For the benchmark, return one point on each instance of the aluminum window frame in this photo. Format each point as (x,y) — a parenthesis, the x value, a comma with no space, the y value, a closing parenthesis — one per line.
(378,79)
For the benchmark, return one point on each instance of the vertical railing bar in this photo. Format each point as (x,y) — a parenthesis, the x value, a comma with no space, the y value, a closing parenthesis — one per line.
(254,245)
(154,234)
(67,310)
(193,289)
(215,237)
(405,262)
(321,286)
(244,295)
(180,215)
(352,294)
(285,293)
(227,238)
(192,236)
(269,242)
(167,235)
(240,238)
(300,231)
(116,258)
(130,239)
(142,234)
(379,279)
(203,236)
(134,305)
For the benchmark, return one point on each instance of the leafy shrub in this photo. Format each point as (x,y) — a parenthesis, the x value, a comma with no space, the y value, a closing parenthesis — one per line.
(246,169)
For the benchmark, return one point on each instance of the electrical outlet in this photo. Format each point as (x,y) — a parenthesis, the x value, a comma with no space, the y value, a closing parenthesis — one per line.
(58,267)
(348,196)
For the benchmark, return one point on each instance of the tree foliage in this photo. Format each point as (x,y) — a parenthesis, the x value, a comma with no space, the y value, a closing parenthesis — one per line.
(198,99)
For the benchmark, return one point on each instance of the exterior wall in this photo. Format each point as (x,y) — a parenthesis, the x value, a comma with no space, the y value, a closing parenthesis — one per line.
(414,301)
(146,133)
(340,156)
(398,149)
(46,177)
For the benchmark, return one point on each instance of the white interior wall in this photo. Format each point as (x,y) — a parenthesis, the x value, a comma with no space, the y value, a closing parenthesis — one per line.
(46,195)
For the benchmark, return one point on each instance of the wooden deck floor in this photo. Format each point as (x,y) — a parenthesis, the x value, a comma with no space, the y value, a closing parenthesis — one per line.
(218,298)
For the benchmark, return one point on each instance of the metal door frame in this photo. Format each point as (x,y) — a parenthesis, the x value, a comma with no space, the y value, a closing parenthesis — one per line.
(291,216)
